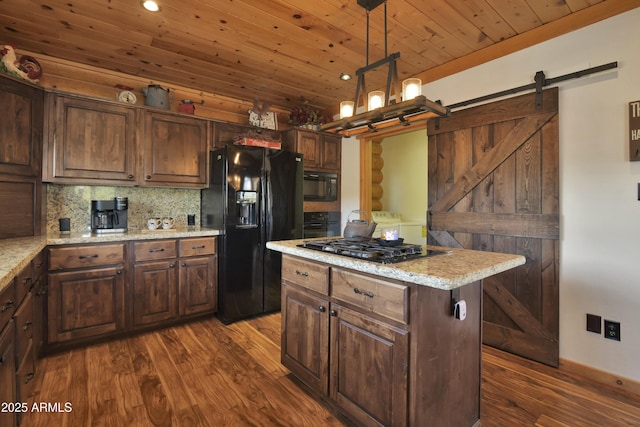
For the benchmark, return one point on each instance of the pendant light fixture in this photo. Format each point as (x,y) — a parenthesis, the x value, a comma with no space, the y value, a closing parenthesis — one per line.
(381,111)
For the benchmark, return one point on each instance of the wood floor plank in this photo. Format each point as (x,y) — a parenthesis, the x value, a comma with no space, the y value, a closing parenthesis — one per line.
(205,373)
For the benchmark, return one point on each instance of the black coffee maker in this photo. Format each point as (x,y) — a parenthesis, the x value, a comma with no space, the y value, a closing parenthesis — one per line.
(109,216)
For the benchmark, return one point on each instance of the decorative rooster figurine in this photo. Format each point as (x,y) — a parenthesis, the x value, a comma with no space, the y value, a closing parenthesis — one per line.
(10,64)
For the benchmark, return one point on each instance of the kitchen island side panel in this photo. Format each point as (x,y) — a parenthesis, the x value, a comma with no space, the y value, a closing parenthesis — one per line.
(445,358)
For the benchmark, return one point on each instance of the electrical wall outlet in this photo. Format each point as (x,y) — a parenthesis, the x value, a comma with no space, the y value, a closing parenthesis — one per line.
(594,323)
(612,330)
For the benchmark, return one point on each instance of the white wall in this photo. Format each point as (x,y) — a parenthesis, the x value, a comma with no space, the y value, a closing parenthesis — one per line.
(600,213)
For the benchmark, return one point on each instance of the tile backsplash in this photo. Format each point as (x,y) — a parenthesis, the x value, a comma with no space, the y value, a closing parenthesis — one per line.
(74,202)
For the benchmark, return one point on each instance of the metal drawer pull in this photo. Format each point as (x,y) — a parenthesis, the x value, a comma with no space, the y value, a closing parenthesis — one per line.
(156,250)
(7,305)
(27,326)
(302,273)
(321,309)
(27,280)
(29,377)
(198,247)
(366,294)
(88,256)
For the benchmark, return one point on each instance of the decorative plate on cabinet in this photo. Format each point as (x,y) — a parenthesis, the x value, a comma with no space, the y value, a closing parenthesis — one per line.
(127,96)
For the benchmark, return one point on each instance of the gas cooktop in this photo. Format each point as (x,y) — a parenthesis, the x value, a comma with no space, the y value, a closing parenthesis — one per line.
(375,250)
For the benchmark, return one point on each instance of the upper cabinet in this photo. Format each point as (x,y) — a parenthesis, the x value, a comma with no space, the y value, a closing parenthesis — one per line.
(89,141)
(21,130)
(321,151)
(20,159)
(98,142)
(175,150)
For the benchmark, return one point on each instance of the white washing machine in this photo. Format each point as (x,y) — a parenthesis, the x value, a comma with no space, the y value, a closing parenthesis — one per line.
(411,232)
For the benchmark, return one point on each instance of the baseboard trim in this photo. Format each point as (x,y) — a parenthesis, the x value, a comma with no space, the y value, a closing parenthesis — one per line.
(604,377)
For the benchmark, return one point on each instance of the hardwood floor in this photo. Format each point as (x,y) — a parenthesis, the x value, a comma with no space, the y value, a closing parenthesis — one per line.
(208,374)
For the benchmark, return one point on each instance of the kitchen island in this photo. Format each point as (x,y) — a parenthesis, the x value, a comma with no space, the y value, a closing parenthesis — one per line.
(382,340)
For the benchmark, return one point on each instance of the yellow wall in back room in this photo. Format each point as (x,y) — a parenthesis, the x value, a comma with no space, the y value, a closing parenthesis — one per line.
(405,175)
(74,201)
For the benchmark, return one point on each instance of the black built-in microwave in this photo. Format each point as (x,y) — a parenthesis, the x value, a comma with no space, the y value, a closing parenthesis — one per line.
(320,186)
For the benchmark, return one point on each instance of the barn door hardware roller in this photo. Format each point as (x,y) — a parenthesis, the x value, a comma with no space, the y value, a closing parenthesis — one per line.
(540,82)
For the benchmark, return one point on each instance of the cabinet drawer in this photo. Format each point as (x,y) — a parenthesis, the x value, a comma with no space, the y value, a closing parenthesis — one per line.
(200,246)
(24,326)
(377,296)
(310,275)
(85,256)
(38,266)
(24,281)
(155,249)
(7,304)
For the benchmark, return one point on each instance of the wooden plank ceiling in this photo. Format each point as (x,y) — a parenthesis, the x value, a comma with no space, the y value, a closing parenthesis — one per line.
(280,51)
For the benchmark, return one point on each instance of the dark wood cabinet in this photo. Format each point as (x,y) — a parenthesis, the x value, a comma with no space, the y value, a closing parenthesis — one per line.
(21,159)
(357,358)
(155,292)
(173,279)
(8,374)
(198,290)
(89,141)
(176,150)
(86,292)
(305,337)
(85,304)
(21,130)
(386,352)
(321,151)
(369,367)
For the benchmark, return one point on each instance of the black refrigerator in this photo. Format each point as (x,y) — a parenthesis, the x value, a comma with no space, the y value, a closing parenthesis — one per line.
(255,195)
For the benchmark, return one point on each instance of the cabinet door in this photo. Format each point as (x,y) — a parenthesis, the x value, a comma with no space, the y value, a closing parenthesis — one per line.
(198,285)
(305,337)
(90,141)
(21,130)
(330,154)
(83,304)
(7,374)
(369,368)
(308,144)
(155,287)
(175,150)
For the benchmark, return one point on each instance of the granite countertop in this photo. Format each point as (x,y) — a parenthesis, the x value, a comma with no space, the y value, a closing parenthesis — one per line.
(15,254)
(447,271)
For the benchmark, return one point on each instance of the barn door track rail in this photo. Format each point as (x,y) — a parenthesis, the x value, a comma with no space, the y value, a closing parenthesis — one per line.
(540,82)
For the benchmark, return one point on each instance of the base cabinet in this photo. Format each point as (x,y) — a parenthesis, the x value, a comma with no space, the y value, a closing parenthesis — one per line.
(86,292)
(198,278)
(359,361)
(387,353)
(181,280)
(85,304)
(19,327)
(305,337)
(369,368)
(155,290)
(7,374)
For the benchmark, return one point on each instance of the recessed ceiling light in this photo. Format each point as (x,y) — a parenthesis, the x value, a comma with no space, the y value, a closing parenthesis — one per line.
(345,77)
(150,5)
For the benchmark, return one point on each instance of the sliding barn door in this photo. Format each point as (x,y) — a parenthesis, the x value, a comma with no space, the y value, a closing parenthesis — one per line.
(493,186)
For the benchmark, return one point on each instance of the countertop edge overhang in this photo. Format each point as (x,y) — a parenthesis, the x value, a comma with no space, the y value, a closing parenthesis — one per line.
(16,253)
(447,272)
